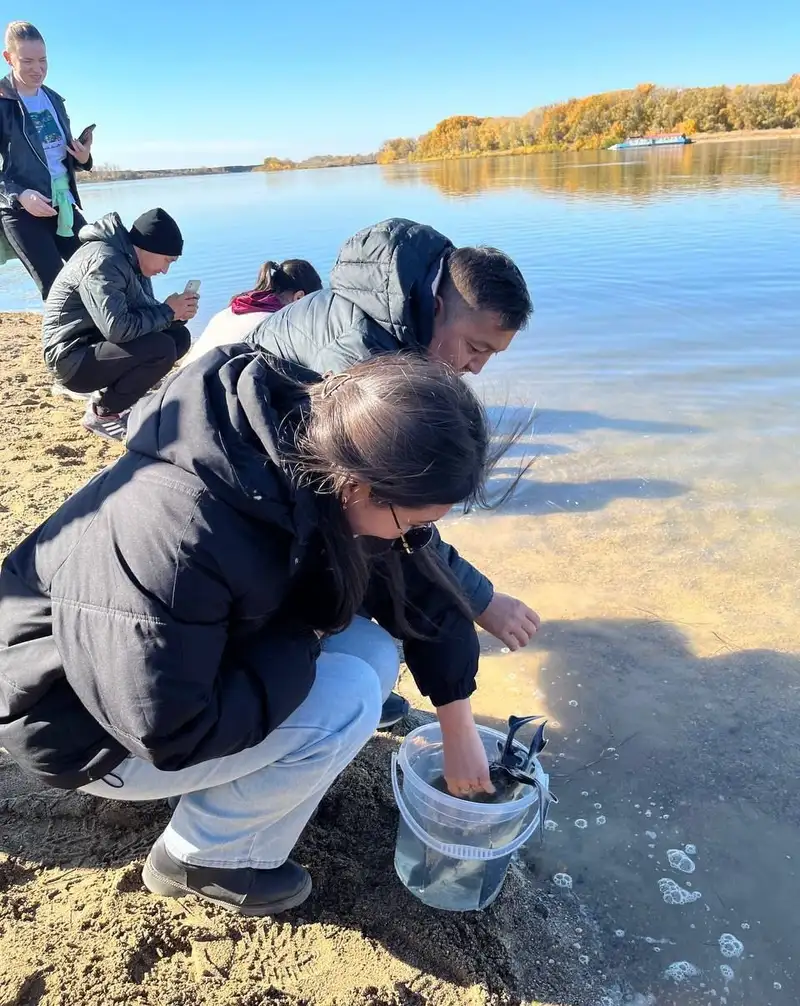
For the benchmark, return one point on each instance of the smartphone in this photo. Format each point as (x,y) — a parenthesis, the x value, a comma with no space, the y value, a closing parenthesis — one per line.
(193,286)
(87,132)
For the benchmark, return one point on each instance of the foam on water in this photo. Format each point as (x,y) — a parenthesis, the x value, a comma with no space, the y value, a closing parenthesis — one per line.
(563,880)
(681,971)
(674,894)
(729,946)
(678,860)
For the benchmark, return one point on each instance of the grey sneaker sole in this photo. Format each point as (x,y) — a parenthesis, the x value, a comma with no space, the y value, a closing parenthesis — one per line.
(157,883)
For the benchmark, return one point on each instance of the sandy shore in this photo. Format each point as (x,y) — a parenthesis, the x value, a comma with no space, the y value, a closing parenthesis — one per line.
(76,925)
(747,134)
(668,665)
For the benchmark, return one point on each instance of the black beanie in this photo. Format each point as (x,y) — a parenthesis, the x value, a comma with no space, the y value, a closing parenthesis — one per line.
(155,231)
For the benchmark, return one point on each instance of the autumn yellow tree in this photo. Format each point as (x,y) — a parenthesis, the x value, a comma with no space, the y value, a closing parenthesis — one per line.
(601,120)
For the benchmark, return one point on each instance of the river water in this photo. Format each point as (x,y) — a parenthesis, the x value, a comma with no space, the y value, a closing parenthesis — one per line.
(657,532)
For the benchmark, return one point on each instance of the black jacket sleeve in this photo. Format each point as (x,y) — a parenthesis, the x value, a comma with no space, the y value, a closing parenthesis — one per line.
(444,662)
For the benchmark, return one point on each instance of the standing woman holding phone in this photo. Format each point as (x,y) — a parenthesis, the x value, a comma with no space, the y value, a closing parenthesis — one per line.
(39,206)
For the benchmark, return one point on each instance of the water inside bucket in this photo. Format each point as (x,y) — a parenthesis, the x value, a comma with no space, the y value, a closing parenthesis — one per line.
(452,853)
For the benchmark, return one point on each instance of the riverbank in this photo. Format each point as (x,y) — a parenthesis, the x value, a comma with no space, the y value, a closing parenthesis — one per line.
(667,664)
(317,163)
(76,925)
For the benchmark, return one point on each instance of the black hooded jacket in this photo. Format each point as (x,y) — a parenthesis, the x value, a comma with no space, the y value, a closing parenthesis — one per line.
(381,300)
(154,613)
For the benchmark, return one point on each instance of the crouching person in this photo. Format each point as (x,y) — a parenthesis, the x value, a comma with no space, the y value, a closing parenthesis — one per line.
(192,621)
(104,332)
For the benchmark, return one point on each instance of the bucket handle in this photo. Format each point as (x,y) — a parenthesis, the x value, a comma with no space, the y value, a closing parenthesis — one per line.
(456,851)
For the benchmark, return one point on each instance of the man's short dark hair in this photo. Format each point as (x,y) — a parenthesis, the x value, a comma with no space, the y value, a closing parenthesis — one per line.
(486,279)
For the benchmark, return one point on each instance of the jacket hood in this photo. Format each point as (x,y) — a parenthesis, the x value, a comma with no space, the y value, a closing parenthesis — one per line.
(389,271)
(220,419)
(111,230)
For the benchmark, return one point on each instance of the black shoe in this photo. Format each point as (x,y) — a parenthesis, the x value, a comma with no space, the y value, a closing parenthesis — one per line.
(395,708)
(246,891)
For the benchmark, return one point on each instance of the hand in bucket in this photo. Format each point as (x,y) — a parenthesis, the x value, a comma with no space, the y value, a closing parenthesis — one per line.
(466,765)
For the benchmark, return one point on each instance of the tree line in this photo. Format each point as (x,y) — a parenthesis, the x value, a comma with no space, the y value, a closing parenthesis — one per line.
(318,161)
(601,120)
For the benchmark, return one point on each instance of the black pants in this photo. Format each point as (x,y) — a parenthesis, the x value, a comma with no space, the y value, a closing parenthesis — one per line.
(126,371)
(40,249)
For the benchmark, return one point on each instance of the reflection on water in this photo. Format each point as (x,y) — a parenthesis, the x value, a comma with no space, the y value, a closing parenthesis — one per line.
(629,175)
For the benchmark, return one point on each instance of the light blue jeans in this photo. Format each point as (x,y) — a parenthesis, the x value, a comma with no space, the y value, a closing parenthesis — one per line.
(249,809)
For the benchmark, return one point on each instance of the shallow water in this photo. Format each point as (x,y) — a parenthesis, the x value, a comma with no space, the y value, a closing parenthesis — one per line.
(657,532)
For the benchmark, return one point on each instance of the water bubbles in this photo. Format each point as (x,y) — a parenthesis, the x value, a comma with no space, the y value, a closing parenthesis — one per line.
(505,649)
(651,835)
(583,959)
(777,986)
(598,806)
(681,971)
(690,850)
(550,825)
(648,813)
(563,880)
(585,792)
(573,702)
(674,894)
(619,933)
(729,946)
(581,823)
(678,860)
(726,971)
(745,925)
(600,819)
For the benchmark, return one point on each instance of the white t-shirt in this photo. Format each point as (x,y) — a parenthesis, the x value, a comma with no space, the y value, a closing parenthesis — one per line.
(50,133)
(224,329)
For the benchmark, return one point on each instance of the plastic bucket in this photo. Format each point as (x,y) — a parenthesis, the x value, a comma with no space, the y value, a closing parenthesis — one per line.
(451,853)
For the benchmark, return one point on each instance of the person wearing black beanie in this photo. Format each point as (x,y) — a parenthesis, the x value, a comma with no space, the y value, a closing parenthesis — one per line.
(105,334)
(155,231)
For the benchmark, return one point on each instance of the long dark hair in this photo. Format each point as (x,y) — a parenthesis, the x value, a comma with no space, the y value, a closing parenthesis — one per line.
(411,429)
(291,276)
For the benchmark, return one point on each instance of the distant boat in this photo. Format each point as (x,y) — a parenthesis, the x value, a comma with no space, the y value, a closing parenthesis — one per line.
(652,140)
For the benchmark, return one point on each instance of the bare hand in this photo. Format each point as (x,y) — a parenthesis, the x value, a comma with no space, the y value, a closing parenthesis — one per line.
(466,766)
(36,204)
(510,621)
(82,151)
(184,305)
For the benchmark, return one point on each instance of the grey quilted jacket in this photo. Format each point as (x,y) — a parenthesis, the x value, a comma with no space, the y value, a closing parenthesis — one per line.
(99,294)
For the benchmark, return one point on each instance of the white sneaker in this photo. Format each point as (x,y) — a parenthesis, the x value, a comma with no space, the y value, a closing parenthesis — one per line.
(59,391)
(111,427)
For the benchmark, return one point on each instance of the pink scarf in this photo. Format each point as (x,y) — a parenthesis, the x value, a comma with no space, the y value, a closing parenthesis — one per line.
(256,300)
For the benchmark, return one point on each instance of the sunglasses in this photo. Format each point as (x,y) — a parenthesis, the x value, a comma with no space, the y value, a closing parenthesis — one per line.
(414,539)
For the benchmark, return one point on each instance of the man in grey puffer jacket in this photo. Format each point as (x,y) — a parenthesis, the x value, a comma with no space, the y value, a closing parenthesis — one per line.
(103,330)
(402,286)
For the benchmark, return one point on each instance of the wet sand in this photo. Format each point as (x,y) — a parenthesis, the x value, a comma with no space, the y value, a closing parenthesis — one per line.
(668,667)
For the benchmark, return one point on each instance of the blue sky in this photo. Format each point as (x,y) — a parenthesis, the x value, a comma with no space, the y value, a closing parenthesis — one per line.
(174,83)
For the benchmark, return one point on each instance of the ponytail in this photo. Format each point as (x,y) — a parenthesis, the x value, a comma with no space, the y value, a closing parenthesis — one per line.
(292,276)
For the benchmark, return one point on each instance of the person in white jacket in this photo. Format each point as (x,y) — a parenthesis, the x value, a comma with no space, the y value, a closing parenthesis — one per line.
(277,286)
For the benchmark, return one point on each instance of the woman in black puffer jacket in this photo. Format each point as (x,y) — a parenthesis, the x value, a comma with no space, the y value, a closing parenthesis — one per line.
(196,620)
